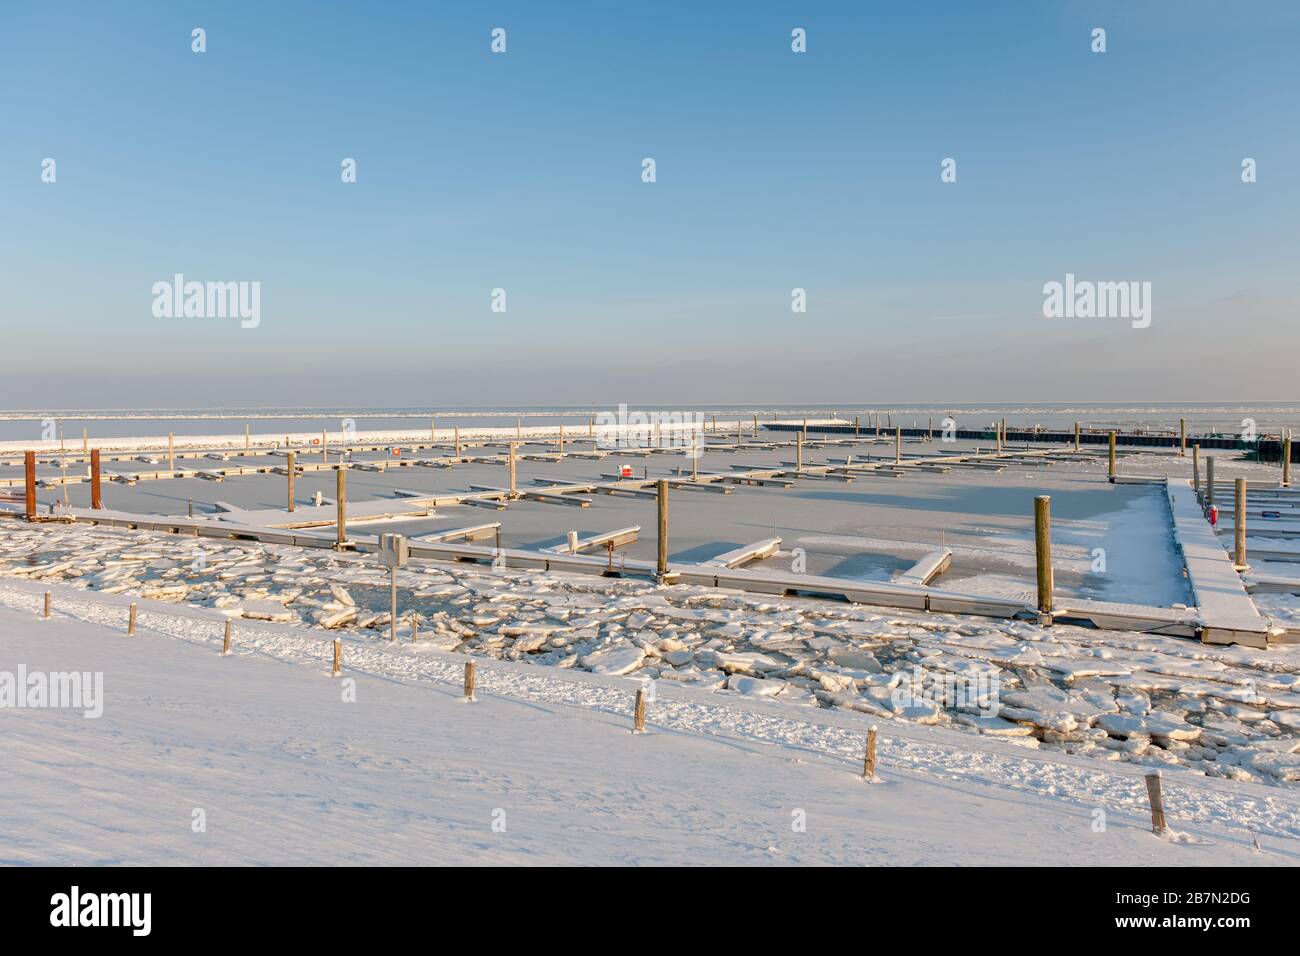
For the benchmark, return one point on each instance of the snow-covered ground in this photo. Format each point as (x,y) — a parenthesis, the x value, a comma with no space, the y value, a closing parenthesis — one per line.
(266,749)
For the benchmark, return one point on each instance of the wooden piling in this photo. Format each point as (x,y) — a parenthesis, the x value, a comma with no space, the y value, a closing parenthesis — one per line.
(1286,459)
(561,439)
(929,428)
(469,681)
(1076,436)
(292,468)
(130,621)
(248,438)
(869,757)
(1182,438)
(29,484)
(798,452)
(324,448)
(898,445)
(189,508)
(513,492)
(225,643)
(1196,470)
(638,713)
(1158,824)
(456,438)
(1209,481)
(1043,552)
(48,600)
(338,658)
(695,456)
(856,431)
(85,441)
(341,501)
(433,430)
(96,501)
(171,451)
(1110,471)
(661,560)
(415,628)
(1239,522)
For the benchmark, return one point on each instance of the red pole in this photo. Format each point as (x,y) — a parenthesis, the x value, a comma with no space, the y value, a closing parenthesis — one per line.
(95,500)
(29,469)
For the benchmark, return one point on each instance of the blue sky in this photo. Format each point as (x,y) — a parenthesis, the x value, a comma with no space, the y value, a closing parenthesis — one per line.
(775,170)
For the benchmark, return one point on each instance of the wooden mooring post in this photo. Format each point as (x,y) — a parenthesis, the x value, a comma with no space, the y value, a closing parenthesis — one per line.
(248,438)
(96,500)
(513,492)
(1043,553)
(292,467)
(1239,523)
(661,559)
(29,485)
(1196,470)
(1076,436)
(455,432)
(341,501)
(898,445)
(171,452)
(1182,438)
(1286,459)
(1110,469)
(1209,481)
(798,452)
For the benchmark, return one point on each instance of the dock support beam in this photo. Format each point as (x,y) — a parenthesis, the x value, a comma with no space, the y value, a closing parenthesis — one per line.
(29,484)
(1239,523)
(292,468)
(661,560)
(1043,553)
(96,501)
(1110,472)
(341,500)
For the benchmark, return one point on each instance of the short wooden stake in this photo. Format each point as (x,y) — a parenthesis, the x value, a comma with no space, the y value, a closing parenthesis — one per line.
(1158,824)
(46,614)
(189,507)
(469,681)
(1110,473)
(225,643)
(341,501)
(869,758)
(1239,522)
(1043,551)
(338,658)
(638,713)
(130,622)
(415,629)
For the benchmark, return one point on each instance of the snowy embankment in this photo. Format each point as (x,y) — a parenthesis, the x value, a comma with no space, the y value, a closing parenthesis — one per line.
(286,770)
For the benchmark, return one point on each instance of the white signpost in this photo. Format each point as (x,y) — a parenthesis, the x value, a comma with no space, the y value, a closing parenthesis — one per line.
(394,552)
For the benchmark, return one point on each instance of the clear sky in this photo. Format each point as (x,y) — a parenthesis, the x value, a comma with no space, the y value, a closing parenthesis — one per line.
(522,171)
